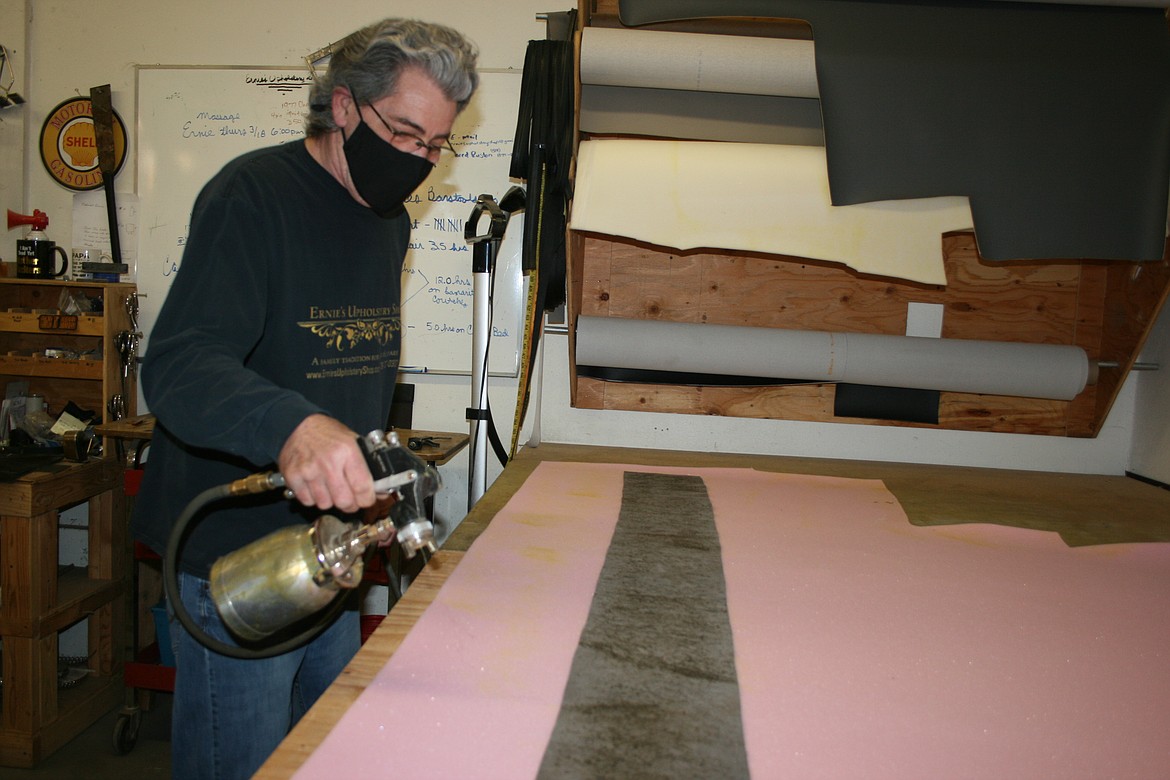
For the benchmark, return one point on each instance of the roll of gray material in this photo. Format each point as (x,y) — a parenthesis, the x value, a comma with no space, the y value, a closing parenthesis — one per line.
(699,87)
(691,61)
(701,116)
(1052,371)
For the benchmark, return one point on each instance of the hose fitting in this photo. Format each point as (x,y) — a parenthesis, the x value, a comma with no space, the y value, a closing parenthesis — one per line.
(256,483)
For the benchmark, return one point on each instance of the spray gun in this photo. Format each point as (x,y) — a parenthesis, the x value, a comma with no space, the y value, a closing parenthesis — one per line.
(296,572)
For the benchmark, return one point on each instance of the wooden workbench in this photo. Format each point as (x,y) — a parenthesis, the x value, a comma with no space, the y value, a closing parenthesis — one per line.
(1084,509)
(446,444)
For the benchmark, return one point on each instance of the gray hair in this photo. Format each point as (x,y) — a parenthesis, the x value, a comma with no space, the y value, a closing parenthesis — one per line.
(369,61)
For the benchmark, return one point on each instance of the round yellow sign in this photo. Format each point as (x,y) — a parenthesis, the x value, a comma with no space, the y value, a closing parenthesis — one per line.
(69,148)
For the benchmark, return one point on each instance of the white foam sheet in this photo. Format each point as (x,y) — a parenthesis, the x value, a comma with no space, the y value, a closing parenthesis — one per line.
(755,197)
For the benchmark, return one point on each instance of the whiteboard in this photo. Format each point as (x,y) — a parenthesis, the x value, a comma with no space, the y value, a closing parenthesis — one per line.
(193,120)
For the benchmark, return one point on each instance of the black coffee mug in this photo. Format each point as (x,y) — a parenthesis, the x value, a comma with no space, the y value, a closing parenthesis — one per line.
(38,259)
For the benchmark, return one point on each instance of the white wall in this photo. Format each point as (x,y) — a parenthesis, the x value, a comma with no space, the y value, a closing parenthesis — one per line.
(77,44)
(12,122)
(1151,443)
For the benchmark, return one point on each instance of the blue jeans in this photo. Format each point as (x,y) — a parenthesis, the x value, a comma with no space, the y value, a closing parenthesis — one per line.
(229,714)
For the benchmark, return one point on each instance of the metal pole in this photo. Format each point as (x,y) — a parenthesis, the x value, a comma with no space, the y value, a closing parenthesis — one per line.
(484,247)
(480,288)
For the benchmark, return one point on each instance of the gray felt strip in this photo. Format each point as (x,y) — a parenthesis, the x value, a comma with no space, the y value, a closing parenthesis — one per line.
(652,691)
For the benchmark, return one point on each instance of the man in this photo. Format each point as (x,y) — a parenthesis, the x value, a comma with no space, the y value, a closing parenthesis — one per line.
(277,344)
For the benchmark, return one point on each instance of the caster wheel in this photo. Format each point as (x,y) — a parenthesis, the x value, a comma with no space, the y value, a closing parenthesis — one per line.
(126,732)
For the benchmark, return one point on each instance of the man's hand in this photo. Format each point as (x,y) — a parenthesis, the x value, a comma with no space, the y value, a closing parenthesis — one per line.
(323,466)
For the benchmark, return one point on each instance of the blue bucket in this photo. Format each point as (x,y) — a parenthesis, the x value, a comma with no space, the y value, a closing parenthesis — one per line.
(162,630)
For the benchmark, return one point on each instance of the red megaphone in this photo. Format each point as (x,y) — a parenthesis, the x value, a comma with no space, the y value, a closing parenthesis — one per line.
(39,219)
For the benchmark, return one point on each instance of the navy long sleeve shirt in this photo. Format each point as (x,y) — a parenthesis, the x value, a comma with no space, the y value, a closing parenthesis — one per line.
(286,304)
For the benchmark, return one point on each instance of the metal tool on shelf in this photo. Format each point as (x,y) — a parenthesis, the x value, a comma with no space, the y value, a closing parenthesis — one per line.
(131,304)
(126,342)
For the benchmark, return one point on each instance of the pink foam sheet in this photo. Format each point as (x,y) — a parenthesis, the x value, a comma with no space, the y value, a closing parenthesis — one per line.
(474,689)
(868,647)
(865,646)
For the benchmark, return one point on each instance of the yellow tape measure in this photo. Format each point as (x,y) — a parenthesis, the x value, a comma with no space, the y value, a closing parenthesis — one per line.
(522,390)
(530,315)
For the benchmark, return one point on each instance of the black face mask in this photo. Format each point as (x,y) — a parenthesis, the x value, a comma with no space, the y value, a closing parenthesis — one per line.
(383,175)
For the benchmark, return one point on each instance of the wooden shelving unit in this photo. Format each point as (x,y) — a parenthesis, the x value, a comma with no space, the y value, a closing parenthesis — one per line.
(32,322)
(36,717)
(64,357)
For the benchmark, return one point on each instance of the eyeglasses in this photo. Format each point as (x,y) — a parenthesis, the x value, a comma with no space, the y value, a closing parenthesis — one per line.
(414,142)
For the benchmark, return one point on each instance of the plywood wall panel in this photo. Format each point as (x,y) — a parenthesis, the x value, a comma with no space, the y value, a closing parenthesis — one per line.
(1105,308)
